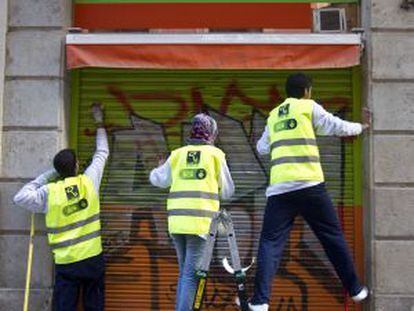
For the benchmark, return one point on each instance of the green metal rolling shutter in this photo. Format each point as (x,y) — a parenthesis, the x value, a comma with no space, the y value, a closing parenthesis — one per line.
(147,114)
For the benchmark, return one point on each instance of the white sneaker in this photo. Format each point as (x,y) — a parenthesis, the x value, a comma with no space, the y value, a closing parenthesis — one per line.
(263,307)
(362,295)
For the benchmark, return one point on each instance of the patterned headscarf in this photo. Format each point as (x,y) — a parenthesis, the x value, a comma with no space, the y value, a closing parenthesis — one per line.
(203,127)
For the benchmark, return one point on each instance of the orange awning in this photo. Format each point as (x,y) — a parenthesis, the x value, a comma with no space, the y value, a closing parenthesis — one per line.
(213,51)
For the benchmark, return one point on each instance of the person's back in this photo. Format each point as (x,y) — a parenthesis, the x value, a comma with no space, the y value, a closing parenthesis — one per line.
(194,189)
(297,187)
(72,220)
(70,202)
(197,175)
(294,152)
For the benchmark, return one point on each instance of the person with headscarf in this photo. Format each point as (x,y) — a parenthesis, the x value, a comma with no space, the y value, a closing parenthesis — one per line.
(198,176)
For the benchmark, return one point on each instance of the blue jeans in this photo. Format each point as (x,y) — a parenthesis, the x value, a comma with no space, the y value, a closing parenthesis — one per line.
(316,208)
(190,250)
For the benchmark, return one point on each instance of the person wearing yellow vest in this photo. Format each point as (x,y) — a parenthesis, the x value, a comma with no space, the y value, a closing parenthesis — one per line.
(70,202)
(197,175)
(297,187)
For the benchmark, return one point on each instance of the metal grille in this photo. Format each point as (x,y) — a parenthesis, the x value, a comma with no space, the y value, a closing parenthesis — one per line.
(147,114)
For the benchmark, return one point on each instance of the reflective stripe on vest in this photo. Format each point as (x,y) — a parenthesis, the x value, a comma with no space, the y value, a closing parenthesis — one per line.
(72,220)
(193,195)
(75,241)
(293,142)
(193,199)
(302,159)
(191,212)
(294,150)
(74,225)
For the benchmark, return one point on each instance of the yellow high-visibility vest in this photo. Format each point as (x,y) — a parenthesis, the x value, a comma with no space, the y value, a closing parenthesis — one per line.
(194,194)
(294,152)
(72,220)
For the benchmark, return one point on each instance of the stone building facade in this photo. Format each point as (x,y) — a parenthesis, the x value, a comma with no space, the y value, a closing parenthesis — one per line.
(34,105)
(33,129)
(389,89)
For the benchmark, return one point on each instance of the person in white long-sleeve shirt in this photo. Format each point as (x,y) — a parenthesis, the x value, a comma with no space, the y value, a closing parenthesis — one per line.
(161,177)
(70,202)
(324,124)
(198,176)
(297,187)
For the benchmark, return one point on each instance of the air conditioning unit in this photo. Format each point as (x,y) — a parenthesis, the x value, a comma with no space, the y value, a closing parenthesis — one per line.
(329,20)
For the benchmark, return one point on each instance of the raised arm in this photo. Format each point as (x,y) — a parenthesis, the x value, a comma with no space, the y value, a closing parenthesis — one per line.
(33,195)
(95,170)
(326,124)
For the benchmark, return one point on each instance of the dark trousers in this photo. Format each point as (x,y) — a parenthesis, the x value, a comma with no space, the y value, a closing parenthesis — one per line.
(87,275)
(316,207)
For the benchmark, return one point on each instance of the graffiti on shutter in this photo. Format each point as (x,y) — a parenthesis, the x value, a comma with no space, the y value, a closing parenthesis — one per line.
(147,115)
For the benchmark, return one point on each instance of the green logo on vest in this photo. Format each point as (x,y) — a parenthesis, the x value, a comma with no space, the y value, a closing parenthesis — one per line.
(189,173)
(288,124)
(74,208)
(193,157)
(72,192)
(284,110)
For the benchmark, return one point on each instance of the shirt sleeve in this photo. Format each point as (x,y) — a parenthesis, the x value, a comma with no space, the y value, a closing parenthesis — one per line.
(33,195)
(263,144)
(325,123)
(225,182)
(95,170)
(161,175)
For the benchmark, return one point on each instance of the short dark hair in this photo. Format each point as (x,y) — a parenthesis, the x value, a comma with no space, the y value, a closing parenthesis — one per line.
(65,163)
(296,85)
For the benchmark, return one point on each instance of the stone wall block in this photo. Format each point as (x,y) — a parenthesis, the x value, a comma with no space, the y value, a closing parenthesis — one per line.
(394,212)
(13,262)
(394,267)
(32,103)
(393,158)
(27,154)
(392,55)
(388,14)
(34,53)
(35,13)
(393,106)
(13,217)
(12,300)
(394,303)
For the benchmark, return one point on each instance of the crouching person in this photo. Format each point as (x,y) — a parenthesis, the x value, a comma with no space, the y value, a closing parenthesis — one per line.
(196,174)
(70,202)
